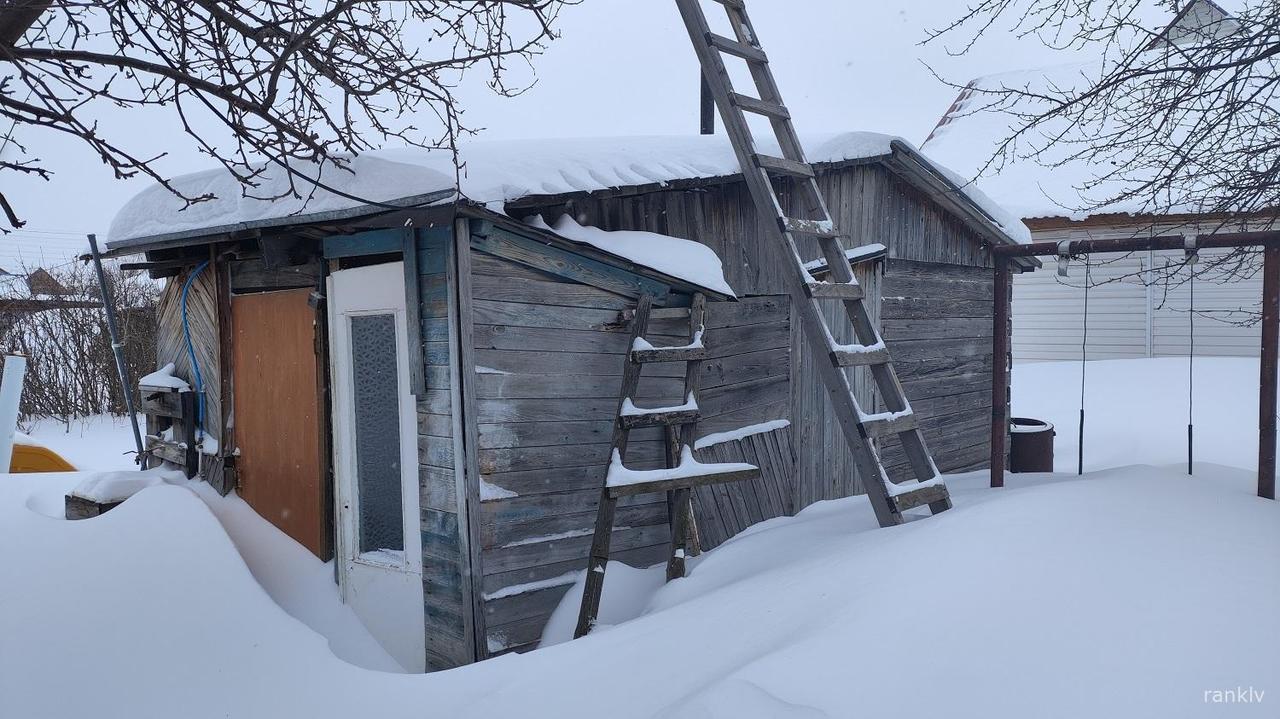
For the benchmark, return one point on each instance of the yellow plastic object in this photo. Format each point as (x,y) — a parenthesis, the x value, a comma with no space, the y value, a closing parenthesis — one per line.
(30,458)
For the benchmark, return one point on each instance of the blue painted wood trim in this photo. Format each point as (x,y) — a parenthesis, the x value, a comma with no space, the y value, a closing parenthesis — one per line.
(373,242)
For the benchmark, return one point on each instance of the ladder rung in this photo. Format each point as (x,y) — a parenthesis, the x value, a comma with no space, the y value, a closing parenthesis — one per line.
(927,494)
(783,166)
(669,354)
(659,418)
(761,107)
(866,358)
(887,426)
(834,291)
(737,49)
(662,484)
(659,313)
(813,228)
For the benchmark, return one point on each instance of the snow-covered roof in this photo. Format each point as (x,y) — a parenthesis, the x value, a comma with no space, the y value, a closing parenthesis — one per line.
(493,173)
(686,260)
(1050,184)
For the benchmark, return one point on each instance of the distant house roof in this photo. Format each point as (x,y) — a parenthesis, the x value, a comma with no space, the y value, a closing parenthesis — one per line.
(1050,185)
(496,173)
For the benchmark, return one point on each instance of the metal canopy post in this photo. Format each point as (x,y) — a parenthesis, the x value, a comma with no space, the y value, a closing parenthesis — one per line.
(117,348)
(1267,371)
(1000,371)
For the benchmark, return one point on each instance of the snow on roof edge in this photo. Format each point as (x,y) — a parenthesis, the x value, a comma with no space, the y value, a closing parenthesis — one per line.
(495,172)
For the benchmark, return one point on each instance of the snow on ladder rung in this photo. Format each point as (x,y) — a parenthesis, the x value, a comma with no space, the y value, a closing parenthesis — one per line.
(812,228)
(632,416)
(889,423)
(690,472)
(860,355)
(737,49)
(642,351)
(910,495)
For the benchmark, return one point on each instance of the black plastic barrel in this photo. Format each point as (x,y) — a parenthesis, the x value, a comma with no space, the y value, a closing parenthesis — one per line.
(1030,445)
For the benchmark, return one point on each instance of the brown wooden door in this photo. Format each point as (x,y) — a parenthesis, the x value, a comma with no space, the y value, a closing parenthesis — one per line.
(278,414)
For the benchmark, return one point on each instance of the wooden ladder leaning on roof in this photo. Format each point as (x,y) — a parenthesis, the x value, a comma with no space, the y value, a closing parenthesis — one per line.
(888,498)
(683,473)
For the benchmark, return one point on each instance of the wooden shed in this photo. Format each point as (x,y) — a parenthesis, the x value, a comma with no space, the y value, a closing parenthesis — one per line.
(422,384)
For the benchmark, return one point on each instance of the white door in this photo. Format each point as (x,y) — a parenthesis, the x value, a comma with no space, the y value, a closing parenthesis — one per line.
(376,458)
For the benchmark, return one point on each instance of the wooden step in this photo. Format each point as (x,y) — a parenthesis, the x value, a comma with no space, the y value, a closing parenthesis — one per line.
(669,354)
(812,228)
(888,426)
(928,494)
(659,419)
(729,46)
(657,313)
(633,416)
(783,166)
(623,482)
(866,358)
(834,291)
(760,107)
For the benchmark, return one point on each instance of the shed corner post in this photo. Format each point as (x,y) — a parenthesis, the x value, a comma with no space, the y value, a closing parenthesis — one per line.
(463,361)
(999,370)
(1267,371)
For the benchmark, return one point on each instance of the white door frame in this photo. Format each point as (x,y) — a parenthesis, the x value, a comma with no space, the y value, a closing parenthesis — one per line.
(383,588)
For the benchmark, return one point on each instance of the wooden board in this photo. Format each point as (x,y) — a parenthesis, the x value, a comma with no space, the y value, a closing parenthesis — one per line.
(278,413)
(938,329)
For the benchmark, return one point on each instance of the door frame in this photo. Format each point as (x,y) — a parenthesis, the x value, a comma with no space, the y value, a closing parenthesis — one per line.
(362,576)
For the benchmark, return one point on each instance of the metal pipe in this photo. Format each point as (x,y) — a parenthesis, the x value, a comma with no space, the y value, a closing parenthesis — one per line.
(122,369)
(15,369)
(1138,244)
(1267,372)
(1000,371)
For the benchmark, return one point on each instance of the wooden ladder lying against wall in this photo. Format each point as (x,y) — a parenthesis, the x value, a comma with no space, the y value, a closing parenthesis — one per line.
(888,499)
(683,472)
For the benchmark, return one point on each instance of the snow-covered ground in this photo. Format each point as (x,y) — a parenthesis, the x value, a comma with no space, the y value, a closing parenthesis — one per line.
(1131,592)
(91,443)
(1136,410)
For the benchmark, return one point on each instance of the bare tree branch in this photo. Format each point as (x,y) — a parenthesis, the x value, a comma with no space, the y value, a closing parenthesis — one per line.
(289,82)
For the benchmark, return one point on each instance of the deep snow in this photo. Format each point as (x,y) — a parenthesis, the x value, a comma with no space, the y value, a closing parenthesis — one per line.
(1130,592)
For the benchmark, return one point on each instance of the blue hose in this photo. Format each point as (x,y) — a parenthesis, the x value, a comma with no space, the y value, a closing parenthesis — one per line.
(191,352)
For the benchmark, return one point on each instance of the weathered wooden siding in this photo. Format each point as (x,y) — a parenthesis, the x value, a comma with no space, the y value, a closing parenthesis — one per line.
(202,319)
(936,320)
(724,510)
(446,566)
(549,355)
(867,201)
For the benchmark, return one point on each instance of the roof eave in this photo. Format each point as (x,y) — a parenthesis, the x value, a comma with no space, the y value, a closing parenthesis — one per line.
(207,235)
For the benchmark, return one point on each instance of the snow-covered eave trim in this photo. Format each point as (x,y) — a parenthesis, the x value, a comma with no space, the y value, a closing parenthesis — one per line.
(1047,221)
(467,208)
(206,235)
(918,170)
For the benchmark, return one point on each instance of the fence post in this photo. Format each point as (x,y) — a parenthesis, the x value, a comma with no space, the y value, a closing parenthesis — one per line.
(15,369)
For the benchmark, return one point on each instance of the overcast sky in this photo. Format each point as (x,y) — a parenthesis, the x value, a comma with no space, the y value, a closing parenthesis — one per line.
(621,67)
